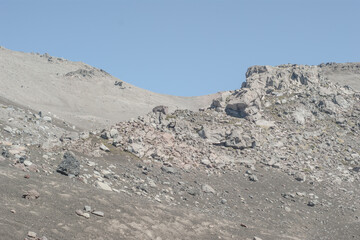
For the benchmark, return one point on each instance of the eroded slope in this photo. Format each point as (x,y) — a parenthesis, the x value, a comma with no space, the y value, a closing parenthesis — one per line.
(78,93)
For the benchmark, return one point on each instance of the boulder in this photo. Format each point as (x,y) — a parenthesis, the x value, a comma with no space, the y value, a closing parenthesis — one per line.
(238,140)
(105,134)
(239,104)
(208,189)
(114,133)
(104,148)
(31,194)
(203,133)
(161,109)
(70,165)
(236,109)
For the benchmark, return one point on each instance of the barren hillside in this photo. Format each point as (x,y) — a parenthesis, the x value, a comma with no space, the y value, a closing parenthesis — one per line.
(78,93)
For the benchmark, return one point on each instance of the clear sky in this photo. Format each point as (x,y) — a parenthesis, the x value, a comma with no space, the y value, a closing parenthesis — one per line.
(184,47)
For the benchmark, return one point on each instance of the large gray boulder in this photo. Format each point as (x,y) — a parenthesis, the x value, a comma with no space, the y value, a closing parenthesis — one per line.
(244,103)
(70,165)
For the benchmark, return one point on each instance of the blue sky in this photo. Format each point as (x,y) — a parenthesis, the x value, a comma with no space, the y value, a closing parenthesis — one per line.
(184,47)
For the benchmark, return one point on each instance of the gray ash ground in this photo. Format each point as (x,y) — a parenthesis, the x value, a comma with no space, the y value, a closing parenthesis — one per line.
(175,205)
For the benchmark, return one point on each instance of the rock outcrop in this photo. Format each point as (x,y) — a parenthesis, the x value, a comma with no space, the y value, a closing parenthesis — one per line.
(290,117)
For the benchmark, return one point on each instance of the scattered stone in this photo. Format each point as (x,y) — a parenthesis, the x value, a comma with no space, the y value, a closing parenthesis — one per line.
(79,212)
(312,203)
(27,163)
(98,213)
(8,129)
(82,214)
(206,162)
(118,83)
(84,135)
(87,208)
(202,133)
(5,153)
(104,148)
(208,189)
(81,73)
(22,159)
(288,196)
(152,183)
(105,134)
(70,136)
(192,191)
(47,119)
(301,177)
(31,194)
(114,133)
(168,169)
(301,194)
(91,164)
(31,234)
(253,178)
(103,186)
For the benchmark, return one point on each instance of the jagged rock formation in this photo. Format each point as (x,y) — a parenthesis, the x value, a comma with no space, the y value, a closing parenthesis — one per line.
(290,117)
(283,79)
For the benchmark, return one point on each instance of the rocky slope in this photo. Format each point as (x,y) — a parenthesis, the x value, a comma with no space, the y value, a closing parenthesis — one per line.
(277,159)
(289,117)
